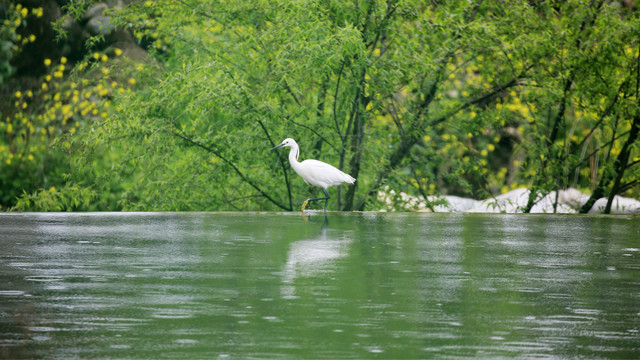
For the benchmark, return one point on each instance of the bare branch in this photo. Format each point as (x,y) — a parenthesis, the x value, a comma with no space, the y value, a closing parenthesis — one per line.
(313,131)
(244,178)
(282,164)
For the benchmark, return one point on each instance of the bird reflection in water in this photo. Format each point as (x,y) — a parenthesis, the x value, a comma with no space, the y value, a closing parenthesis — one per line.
(312,258)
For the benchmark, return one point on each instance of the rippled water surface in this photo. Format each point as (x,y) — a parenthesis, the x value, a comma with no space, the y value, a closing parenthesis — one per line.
(365,285)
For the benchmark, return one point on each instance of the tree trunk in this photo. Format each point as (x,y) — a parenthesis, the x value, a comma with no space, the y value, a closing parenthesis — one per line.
(589,19)
(357,141)
(622,161)
(555,128)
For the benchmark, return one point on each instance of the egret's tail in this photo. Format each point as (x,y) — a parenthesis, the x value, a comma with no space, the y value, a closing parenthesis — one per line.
(349,179)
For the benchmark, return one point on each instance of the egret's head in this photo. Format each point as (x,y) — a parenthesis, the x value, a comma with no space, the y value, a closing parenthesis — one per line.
(286,142)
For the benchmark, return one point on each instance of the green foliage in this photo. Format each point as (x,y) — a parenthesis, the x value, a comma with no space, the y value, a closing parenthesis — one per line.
(73,10)
(69,198)
(41,118)
(468,98)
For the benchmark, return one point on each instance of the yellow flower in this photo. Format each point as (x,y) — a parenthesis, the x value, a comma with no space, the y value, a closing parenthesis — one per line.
(491,147)
(132,81)
(104,57)
(376,52)
(118,52)
(484,152)
(18,94)
(24,12)
(32,38)
(63,60)
(96,56)
(427,138)
(47,62)
(369,105)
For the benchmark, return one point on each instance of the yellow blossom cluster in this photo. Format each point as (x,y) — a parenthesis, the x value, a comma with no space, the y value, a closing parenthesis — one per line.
(15,16)
(498,182)
(59,105)
(517,107)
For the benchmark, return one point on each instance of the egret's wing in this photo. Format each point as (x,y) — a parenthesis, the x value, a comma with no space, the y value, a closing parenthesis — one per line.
(322,174)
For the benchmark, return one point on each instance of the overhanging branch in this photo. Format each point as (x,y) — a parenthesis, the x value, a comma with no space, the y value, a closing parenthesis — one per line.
(232,165)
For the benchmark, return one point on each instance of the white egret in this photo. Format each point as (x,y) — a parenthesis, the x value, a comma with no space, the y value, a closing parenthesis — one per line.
(315,172)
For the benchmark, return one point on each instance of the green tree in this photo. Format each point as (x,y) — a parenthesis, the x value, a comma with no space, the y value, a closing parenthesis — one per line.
(589,89)
(461,97)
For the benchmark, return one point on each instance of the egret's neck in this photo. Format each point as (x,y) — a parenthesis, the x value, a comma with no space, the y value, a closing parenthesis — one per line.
(293,157)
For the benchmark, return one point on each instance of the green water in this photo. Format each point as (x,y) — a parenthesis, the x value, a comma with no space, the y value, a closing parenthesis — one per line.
(364,285)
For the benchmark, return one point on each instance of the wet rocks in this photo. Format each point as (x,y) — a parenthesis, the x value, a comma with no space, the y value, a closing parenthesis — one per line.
(566,201)
(71,45)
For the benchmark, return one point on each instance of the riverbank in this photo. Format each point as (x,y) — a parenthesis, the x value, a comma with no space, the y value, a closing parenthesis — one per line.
(566,201)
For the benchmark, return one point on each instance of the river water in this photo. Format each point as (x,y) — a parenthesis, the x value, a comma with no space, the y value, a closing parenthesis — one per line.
(360,285)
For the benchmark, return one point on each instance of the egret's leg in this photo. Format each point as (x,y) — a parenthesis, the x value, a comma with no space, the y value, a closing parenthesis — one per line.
(326,200)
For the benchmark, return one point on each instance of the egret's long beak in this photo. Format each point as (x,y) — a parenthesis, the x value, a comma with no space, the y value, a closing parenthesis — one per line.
(279,146)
